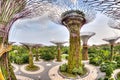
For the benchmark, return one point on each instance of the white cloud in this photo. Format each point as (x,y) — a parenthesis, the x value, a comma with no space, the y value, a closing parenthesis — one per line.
(42,30)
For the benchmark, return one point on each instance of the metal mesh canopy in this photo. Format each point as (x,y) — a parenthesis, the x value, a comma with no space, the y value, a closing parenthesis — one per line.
(85,36)
(111,39)
(55,8)
(58,42)
(108,7)
(114,24)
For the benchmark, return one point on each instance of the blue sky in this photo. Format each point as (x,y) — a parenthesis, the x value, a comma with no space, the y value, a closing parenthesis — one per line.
(42,30)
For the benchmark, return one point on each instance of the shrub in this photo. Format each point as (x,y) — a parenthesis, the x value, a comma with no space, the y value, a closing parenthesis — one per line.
(25,58)
(100,79)
(75,71)
(105,65)
(106,78)
(109,71)
(111,79)
(80,70)
(18,60)
(47,56)
(63,68)
(96,61)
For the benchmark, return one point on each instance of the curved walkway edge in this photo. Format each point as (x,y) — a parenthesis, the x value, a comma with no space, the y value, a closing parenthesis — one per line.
(29,72)
(23,78)
(53,73)
(115,72)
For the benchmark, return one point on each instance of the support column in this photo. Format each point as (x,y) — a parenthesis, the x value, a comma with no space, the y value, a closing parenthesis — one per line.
(85,52)
(59,54)
(30,57)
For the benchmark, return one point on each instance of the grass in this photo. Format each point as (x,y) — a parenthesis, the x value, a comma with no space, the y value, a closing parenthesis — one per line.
(33,68)
(118,76)
(73,75)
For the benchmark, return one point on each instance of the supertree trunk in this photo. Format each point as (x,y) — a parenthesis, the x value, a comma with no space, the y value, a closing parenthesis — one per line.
(59,54)
(30,58)
(36,56)
(75,56)
(112,52)
(6,67)
(85,52)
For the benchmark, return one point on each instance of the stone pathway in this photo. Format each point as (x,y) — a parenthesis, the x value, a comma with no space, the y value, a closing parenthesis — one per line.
(16,68)
(23,78)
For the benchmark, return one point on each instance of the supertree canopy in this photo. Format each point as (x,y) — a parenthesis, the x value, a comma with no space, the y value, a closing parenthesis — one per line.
(114,23)
(110,8)
(55,8)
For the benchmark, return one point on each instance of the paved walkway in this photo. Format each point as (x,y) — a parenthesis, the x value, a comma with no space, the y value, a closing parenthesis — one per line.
(39,75)
(50,71)
(23,78)
(16,68)
(93,74)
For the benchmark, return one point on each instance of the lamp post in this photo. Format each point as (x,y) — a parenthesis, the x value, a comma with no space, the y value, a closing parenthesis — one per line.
(111,41)
(85,36)
(59,44)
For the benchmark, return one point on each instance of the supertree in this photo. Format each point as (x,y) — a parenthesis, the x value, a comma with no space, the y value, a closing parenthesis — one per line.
(85,36)
(73,16)
(111,41)
(37,46)
(10,11)
(110,8)
(59,44)
(30,47)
